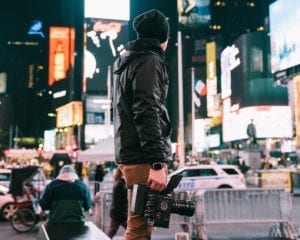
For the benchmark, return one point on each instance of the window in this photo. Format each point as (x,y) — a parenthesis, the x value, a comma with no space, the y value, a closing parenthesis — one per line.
(199,173)
(230,171)
(4,176)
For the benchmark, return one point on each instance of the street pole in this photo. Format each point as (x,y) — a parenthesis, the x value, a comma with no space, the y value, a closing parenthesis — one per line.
(108,95)
(180,102)
(193,114)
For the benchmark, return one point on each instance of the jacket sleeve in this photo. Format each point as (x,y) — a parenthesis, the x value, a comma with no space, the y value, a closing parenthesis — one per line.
(87,202)
(45,200)
(147,88)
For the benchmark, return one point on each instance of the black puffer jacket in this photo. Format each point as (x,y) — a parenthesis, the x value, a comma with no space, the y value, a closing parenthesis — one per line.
(141,121)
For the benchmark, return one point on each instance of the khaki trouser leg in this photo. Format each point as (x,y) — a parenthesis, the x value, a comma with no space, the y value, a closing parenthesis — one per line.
(137,227)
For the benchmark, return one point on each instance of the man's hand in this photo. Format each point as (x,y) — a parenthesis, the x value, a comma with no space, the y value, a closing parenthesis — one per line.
(158,179)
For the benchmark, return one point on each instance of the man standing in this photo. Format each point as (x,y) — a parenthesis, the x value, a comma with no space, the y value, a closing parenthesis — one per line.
(141,121)
(251,132)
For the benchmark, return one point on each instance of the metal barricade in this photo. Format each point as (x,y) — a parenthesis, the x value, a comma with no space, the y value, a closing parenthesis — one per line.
(103,200)
(223,206)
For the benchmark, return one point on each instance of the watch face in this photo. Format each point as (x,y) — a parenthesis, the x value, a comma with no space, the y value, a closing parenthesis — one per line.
(157,166)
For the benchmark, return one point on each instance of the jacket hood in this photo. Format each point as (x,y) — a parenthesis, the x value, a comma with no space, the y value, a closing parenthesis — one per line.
(137,48)
(67,177)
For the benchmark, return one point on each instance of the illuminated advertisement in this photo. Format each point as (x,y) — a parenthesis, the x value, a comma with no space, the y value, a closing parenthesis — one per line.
(104,40)
(194,13)
(69,114)
(270,122)
(3,81)
(49,140)
(213,106)
(94,133)
(296,95)
(284,37)
(112,9)
(97,109)
(61,53)
(229,60)
(200,134)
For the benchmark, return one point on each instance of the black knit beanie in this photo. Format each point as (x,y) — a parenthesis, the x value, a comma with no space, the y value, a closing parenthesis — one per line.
(152,24)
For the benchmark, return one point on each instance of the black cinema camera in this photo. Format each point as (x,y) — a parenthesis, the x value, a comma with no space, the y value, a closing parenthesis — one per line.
(158,206)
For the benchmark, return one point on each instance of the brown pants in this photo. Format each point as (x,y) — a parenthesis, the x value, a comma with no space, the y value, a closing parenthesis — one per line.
(137,227)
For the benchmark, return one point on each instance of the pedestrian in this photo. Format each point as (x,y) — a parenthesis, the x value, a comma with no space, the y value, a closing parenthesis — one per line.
(99,175)
(251,132)
(119,206)
(141,121)
(67,198)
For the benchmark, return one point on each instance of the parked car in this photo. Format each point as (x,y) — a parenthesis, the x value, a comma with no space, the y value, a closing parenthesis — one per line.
(212,176)
(5,175)
(7,206)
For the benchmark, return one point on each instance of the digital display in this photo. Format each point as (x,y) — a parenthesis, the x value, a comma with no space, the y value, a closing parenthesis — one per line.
(270,122)
(61,53)
(284,35)
(94,133)
(105,41)
(194,13)
(112,9)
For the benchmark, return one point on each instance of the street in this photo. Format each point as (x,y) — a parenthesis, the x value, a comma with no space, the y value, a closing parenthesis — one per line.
(228,231)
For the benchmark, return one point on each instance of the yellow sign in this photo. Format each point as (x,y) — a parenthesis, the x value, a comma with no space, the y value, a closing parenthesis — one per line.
(276,180)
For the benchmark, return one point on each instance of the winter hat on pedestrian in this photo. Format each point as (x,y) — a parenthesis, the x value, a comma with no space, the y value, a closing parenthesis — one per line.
(152,24)
(67,173)
(67,169)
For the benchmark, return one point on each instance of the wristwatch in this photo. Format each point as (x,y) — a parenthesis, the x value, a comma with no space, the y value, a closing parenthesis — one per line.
(157,165)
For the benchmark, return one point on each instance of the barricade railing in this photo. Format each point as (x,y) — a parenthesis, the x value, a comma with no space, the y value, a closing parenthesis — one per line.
(225,206)
(103,200)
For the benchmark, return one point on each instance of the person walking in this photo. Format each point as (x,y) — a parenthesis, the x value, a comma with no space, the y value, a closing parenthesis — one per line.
(141,121)
(99,175)
(119,206)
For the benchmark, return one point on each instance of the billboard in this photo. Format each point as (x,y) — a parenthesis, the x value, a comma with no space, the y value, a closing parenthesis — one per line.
(104,42)
(270,122)
(112,9)
(61,53)
(69,114)
(194,13)
(284,37)
(213,105)
(3,81)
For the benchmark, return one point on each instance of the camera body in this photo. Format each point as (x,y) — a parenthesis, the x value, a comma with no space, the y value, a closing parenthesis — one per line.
(158,206)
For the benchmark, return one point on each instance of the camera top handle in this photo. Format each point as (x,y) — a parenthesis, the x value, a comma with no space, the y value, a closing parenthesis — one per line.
(173,183)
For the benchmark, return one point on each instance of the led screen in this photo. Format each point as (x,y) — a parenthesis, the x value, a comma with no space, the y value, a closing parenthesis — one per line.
(94,133)
(61,53)
(105,40)
(284,34)
(270,122)
(194,13)
(112,9)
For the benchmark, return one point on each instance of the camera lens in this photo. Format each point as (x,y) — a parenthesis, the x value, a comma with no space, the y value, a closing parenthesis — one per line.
(184,207)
